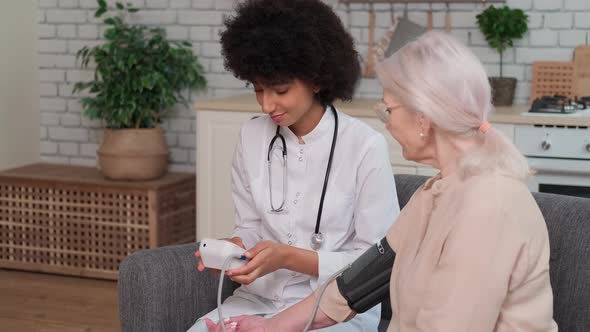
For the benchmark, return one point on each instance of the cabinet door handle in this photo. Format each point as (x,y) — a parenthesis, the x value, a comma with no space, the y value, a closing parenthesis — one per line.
(588,147)
(546,145)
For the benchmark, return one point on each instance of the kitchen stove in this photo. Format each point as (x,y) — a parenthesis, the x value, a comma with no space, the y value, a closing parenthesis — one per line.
(559,105)
(559,154)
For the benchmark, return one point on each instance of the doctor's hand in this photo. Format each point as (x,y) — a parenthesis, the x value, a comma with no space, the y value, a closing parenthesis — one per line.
(235,240)
(265,257)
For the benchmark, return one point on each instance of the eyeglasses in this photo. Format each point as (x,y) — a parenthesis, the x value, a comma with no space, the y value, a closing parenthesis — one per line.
(383,111)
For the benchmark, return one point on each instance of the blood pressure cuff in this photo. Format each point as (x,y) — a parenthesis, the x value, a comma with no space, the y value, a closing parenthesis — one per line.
(366,283)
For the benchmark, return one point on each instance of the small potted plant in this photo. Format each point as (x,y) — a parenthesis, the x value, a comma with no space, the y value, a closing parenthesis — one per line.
(139,75)
(501,26)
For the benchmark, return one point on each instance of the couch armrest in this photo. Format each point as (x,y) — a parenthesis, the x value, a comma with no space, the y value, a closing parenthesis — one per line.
(162,290)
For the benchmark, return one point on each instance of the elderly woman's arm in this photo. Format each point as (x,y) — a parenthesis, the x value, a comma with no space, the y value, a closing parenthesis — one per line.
(333,309)
(294,319)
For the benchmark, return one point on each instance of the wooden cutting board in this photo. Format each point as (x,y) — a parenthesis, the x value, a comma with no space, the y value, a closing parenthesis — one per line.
(582,64)
(553,78)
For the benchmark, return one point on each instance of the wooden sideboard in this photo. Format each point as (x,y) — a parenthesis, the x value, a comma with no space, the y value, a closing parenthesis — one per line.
(70,220)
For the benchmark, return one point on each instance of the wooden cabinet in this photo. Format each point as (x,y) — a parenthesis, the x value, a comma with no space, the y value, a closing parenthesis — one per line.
(217,134)
(70,220)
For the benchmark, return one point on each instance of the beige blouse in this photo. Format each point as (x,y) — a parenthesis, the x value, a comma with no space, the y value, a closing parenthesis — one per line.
(472,255)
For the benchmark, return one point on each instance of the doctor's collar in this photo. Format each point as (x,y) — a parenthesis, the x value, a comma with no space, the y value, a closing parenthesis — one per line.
(324,128)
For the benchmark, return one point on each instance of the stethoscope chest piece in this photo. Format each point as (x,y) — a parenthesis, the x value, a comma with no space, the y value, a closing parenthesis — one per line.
(317,240)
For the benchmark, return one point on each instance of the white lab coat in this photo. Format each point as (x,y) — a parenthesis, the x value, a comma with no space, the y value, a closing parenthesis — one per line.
(359,206)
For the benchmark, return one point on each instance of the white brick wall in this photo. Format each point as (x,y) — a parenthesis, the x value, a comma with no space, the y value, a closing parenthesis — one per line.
(548,4)
(64,26)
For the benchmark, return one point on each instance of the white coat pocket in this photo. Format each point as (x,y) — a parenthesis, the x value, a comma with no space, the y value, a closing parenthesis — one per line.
(338,213)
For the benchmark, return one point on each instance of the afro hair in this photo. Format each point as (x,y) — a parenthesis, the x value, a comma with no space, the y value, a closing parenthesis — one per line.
(275,41)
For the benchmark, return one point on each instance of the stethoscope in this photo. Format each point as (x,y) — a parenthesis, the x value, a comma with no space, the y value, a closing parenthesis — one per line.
(317,238)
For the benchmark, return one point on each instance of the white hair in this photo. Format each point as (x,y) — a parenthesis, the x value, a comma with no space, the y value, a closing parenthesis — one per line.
(440,77)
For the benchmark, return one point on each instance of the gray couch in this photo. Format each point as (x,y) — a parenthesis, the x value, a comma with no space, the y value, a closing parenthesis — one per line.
(161,289)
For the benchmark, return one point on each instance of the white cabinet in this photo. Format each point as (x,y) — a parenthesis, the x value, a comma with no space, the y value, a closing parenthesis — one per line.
(217,134)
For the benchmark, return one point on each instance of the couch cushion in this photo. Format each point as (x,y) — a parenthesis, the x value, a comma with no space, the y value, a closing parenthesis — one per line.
(568,223)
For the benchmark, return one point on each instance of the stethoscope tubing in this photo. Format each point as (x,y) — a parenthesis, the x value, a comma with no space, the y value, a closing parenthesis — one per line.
(326,177)
(328,169)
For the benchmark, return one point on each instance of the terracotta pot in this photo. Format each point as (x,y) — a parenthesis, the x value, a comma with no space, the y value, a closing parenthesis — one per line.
(133,154)
(503,89)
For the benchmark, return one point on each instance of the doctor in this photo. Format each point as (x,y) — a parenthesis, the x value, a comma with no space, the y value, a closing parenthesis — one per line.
(312,187)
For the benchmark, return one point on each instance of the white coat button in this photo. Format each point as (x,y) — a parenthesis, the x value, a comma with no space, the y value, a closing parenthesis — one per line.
(297,194)
(289,235)
(295,202)
(300,158)
(290,242)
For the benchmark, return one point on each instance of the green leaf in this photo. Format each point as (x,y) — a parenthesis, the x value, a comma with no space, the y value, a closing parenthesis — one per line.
(120,6)
(99,12)
(110,34)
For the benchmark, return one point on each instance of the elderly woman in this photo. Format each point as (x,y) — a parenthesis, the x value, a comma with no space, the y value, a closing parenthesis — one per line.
(472,249)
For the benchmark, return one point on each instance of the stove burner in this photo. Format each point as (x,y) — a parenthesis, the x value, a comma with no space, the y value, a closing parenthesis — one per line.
(559,104)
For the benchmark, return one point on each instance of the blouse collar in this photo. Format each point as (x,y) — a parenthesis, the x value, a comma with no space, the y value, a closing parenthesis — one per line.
(437,184)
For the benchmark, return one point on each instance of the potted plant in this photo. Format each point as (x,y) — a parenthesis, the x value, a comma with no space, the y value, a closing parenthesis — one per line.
(139,75)
(501,26)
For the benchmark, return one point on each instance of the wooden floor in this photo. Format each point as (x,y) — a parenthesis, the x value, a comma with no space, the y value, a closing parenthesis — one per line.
(50,303)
